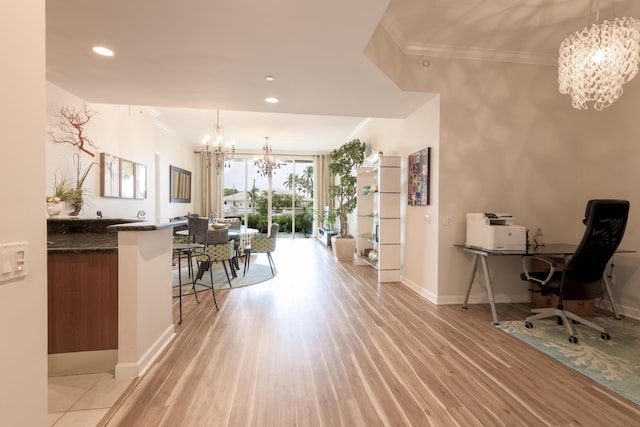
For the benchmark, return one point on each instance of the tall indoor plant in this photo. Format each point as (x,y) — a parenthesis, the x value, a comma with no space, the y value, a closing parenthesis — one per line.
(343,163)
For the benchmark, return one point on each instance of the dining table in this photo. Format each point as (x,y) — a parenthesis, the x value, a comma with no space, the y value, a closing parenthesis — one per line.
(241,236)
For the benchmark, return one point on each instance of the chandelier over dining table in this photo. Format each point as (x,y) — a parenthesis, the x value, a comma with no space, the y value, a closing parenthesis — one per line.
(216,148)
(596,61)
(266,163)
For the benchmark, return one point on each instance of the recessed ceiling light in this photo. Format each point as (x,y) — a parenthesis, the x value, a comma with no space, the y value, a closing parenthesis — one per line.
(100,50)
(269,78)
(272,100)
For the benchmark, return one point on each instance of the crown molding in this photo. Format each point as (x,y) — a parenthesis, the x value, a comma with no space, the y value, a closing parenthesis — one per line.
(468,53)
(480,54)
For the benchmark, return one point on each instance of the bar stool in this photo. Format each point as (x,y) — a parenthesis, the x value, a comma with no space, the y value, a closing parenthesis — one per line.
(194,247)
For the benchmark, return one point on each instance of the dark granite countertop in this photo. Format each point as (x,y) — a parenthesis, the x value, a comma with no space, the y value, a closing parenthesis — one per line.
(94,235)
(144,226)
(82,242)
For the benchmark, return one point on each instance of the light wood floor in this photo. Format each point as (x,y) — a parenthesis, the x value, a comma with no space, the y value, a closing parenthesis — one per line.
(323,344)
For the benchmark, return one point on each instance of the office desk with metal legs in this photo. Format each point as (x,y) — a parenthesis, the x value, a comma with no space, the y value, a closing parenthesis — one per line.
(553,249)
(479,256)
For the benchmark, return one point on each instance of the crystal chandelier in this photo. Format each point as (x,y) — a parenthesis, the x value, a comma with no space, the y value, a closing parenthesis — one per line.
(217,149)
(266,163)
(596,61)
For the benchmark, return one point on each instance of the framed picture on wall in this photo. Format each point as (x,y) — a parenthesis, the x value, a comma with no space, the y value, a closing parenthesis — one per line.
(122,178)
(127,179)
(419,177)
(110,178)
(141,181)
(179,185)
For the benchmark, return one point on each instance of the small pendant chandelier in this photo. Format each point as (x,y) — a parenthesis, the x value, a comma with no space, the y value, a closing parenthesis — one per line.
(266,163)
(217,149)
(596,61)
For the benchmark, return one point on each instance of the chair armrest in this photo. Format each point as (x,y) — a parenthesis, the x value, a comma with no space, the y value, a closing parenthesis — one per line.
(529,277)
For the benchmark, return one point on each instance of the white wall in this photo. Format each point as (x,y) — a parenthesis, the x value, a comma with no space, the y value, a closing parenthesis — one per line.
(128,132)
(509,142)
(608,146)
(420,236)
(23,303)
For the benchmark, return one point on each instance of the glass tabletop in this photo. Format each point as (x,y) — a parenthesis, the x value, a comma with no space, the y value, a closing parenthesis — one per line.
(561,249)
(547,249)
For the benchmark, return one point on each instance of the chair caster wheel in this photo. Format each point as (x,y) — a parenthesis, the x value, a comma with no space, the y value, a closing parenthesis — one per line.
(573,339)
(528,325)
(605,336)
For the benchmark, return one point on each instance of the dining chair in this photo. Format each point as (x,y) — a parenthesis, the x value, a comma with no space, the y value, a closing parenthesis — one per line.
(219,249)
(262,243)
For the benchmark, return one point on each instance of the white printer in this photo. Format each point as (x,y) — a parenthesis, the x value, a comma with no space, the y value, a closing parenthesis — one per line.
(495,231)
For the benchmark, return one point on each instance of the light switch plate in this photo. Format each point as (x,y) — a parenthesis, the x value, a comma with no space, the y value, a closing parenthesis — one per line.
(13,261)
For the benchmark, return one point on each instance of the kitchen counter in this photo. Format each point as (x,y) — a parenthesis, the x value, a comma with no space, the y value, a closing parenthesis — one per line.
(73,235)
(82,242)
(109,294)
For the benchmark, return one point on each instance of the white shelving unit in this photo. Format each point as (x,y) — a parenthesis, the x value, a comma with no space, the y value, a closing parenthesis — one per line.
(381,207)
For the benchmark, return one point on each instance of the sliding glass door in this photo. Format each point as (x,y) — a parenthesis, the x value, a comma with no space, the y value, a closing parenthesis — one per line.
(286,198)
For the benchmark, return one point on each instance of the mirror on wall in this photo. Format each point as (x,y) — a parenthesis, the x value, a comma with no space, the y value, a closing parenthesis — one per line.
(179,185)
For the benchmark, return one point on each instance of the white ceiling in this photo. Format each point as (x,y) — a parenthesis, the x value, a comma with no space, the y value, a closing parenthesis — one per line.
(188,58)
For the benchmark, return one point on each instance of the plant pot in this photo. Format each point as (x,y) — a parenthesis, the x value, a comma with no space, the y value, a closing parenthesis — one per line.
(343,248)
(53,209)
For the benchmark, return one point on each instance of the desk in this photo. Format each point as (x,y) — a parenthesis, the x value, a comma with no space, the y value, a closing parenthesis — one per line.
(552,249)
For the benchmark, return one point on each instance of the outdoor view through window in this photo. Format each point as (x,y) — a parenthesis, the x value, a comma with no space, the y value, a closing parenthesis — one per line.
(246,195)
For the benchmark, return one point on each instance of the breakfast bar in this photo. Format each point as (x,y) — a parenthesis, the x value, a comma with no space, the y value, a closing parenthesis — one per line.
(110,300)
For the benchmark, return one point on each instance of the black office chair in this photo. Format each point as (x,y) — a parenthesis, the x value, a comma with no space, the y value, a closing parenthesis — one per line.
(582,277)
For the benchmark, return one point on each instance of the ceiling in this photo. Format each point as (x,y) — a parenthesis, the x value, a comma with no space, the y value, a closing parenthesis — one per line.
(187,59)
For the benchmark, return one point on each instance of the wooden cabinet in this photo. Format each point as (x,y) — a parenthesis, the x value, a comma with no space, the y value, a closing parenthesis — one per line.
(378,217)
(82,301)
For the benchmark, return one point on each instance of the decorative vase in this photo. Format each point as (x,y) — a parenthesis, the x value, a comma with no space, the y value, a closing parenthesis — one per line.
(75,203)
(373,256)
(53,209)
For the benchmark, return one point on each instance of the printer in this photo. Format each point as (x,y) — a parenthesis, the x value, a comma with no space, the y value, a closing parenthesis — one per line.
(495,231)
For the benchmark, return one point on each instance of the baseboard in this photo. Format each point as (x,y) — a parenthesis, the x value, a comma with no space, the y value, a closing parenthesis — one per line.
(128,370)
(524,297)
(626,311)
(82,362)
(432,298)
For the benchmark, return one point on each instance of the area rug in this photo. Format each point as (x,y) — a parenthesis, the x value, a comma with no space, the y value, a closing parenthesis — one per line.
(614,364)
(257,273)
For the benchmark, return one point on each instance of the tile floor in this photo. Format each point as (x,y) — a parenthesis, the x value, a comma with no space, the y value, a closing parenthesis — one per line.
(82,400)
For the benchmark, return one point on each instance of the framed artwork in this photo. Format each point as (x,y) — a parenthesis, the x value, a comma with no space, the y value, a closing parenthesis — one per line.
(179,185)
(418,179)
(122,178)
(127,179)
(110,178)
(141,181)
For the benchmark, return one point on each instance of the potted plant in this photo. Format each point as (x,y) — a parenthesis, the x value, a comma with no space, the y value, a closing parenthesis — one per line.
(329,219)
(343,163)
(72,132)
